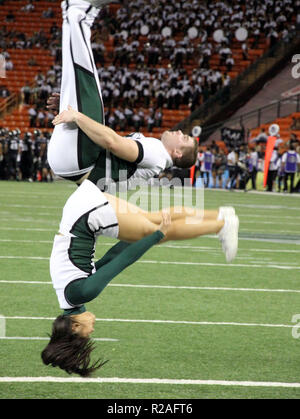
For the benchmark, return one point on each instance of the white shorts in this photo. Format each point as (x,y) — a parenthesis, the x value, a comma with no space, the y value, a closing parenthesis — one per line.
(86,215)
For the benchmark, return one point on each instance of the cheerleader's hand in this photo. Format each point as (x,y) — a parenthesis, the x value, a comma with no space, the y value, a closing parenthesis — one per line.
(66,116)
(166,222)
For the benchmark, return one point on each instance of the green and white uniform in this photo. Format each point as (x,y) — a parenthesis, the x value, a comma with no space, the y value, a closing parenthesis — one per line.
(76,278)
(71,153)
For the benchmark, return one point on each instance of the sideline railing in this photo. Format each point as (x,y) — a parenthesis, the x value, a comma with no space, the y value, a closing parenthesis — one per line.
(253,119)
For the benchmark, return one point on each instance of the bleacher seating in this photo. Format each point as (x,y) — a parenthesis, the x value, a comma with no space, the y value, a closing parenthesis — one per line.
(284,123)
(31,22)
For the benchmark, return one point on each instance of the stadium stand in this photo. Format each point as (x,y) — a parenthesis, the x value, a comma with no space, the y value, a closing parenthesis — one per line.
(288,125)
(31,22)
(174,74)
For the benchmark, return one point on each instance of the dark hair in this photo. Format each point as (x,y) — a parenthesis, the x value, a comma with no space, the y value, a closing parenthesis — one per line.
(68,350)
(189,156)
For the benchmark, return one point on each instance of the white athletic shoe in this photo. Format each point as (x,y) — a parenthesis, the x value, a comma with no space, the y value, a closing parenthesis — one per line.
(225,211)
(229,236)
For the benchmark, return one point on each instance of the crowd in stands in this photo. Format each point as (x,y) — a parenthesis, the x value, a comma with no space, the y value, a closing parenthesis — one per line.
(159,75)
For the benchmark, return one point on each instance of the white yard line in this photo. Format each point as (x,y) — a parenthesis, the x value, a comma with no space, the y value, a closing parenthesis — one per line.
(163,262)
(47,339)
(169,246)
(30,206)
(167,287)
(117,380)
(153,321)
(52,230)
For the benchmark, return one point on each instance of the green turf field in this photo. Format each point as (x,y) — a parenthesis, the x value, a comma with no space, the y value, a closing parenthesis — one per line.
(180,323)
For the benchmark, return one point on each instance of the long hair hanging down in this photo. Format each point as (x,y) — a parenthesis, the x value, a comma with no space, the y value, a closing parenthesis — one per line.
(68,350)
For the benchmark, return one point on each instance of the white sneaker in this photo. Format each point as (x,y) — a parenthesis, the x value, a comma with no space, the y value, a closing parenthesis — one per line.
(229,237)
(225,211)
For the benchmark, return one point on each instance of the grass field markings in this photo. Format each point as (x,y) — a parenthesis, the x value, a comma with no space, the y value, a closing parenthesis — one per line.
(228,265)
(163,262)
(26,257)
(158,381)
(30,206)
(169,246)
(154,321)
(165,191)
(174,246)
(175,287)
(52,230)
(37,194)
(268,222)
(278,217)
(269,240)
(265,207)
(12,217)
(4,281)
(26,241)
(242,207)
(47,338)
(30,212)
(260,231)
(29,220)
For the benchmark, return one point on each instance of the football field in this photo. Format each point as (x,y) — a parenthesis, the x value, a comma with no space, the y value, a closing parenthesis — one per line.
(180,323)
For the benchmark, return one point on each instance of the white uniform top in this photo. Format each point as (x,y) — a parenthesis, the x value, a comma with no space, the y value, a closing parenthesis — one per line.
(284,157)
(63,156)
(155,158)
(231,156)
(86,215)
(274,161)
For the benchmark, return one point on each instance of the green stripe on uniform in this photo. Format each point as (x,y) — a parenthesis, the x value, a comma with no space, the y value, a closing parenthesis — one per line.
(90,104)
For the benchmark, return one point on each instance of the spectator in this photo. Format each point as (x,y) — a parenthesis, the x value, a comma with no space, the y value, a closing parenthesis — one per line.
(4,92)
(207,160)
(9,65)
(245,51)
(41,117)
(232,160)
(273,170)
(112,121)
(26,92)
(224,53)
(290,165)
(280,173)
(26,161)
(262,136)
(121,119)
(128,115)
(150,122)
(295,125)
(229,62)
(49,117)
(219,167)
(136,119)
(29,7)
(158,117)
(32,116)
(48,14)
(32,62)
(253,160)
(293,140)
(10,17)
